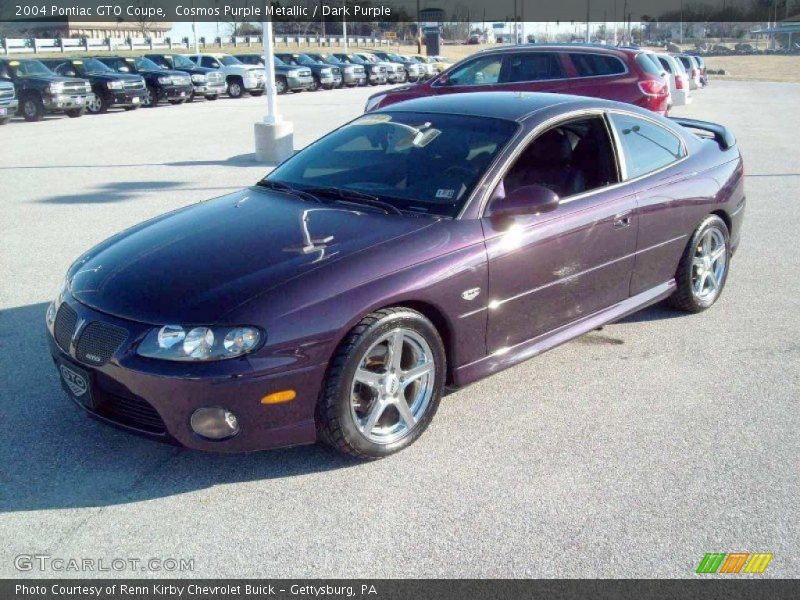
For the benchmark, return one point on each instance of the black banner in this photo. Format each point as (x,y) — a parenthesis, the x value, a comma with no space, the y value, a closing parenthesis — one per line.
(383,589)
(388,11)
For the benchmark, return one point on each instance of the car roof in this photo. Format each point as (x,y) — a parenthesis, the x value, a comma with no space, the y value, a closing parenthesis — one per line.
(511,106)
(614,50)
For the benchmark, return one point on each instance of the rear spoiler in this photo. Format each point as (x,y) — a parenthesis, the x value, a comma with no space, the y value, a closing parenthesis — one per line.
(722,135)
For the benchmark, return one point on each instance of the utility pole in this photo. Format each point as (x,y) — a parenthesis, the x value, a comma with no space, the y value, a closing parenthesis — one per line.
(615,22)
(588,27)
(419,33)
(321,20)
(344,25)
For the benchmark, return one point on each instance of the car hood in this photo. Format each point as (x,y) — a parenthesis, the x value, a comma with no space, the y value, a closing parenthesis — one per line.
(51,78)
(198,264)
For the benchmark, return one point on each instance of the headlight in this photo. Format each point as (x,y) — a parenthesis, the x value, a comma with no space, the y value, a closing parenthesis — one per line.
(372,103)
(326,72)
(175,342)
(87,86)
(165,80)
(56,88)
(199,78)
(114,85)
(61,295)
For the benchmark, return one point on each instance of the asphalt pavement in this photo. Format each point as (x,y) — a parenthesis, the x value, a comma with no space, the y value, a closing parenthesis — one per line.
(630,452)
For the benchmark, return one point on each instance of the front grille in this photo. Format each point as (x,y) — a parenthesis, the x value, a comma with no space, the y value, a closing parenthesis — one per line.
(335,71)
(177,80)
(98,342)
(214,78)
(134,85)
(131,412)
(381,69)
(6,93)
(74,87)
(64,327)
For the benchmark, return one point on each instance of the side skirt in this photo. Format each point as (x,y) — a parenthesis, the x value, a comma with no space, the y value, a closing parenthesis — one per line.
(509,357)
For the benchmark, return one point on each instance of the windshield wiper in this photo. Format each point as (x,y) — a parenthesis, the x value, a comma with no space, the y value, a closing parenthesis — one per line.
(282,187)
(356,197)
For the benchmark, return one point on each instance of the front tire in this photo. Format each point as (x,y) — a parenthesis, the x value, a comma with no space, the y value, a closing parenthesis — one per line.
(74,113)
(280,85)
(32,108)
(703,269)
(177,102)
(99,104)
(383,385)
(150,99)
(235,88)
(257,93)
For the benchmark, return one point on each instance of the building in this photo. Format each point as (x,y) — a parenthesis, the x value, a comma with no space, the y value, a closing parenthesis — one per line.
(69,28)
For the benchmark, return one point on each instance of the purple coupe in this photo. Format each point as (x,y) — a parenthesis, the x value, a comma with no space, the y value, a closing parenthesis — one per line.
(425,245)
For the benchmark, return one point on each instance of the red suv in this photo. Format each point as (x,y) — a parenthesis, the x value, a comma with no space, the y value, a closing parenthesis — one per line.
(622,74)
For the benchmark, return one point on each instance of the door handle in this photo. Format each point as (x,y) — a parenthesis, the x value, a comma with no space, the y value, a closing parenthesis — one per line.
(622,220)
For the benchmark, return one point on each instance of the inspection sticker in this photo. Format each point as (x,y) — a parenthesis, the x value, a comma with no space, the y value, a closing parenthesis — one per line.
(446,194)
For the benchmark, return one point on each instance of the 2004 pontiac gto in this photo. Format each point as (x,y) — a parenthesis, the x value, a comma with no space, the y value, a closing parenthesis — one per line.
(425,245)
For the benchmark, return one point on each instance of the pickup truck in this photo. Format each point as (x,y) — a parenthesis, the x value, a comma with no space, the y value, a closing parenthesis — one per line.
(352,75)
(8,101)
(326,77)
(239,77)
(110,89)
(416,71)
(287,78)
(206,82)
(41,91)
(377,71)
(173,86)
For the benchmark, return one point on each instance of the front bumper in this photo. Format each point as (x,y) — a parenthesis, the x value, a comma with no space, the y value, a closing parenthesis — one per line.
(8,109)
(156,399)
(253,84)
(300,83)
(174,92)
(354,78)
(379,78)
(66,102)
(210,89)
(127,98)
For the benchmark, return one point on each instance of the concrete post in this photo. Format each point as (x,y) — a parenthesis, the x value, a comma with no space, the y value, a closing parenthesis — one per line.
(274,137)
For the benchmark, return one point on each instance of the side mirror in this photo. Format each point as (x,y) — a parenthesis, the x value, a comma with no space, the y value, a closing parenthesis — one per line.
(525,200)
(444,80)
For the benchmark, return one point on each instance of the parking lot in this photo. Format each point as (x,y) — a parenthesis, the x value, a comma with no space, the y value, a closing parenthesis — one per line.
(630,452)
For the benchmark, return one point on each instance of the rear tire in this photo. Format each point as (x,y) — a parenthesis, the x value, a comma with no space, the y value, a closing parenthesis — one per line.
(212,97)
(359,411)
(257,93)
(703,269)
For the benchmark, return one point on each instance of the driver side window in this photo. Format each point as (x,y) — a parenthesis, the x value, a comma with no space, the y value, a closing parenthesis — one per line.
(481,71)
(569,159)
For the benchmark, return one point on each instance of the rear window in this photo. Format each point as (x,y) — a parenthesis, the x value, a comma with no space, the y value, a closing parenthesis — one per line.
(593,65)
(647,64)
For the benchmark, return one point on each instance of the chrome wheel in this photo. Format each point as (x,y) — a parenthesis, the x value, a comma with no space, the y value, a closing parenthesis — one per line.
(149,97)
(95,104)
(234,90)
(280,86)
(29,109)
(709,264)
(392,386)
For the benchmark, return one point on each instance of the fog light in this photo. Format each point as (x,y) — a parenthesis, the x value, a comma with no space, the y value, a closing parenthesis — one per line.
(214,423)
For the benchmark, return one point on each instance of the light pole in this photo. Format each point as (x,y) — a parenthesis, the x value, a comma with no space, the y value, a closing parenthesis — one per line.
(274,137)
(344,25)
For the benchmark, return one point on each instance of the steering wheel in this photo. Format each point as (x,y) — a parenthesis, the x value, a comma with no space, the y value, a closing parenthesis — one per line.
(459,171)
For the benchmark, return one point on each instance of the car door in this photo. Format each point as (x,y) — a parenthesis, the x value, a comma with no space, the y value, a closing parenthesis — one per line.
(652,159)
(551,269)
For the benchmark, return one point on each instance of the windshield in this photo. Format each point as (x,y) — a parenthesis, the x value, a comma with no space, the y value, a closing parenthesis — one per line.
(229,61)
(357,60)
(92,65)
(277,61)
(425,163)
(29,67)
(328,59)
(391,56)
(289,59)
(145,64)
(181,61)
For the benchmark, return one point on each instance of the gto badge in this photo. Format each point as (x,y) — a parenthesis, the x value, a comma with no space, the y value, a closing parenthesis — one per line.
(471,293)
(75,382)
